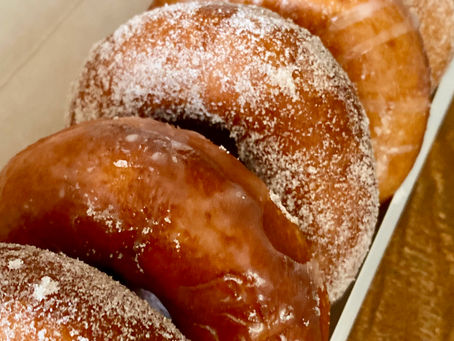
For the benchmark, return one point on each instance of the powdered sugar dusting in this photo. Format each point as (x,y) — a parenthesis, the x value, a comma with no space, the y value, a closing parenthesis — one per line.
(108,216)
(75,299)
(47,286)
(286,102)
(15,264)
(277,200)
(436,25)
(121,164)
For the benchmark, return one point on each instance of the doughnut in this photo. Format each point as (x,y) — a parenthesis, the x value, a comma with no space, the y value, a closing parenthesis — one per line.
(435,20)
(167,211)
(381,51)
(290,110)
(48,296)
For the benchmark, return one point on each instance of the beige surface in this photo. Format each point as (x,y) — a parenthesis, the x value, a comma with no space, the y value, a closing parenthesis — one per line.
(42,47)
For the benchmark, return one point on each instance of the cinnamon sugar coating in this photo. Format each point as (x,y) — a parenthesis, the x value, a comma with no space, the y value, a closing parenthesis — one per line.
(435,21)
(46,296)
(168,211)
(381,50)
(287,104)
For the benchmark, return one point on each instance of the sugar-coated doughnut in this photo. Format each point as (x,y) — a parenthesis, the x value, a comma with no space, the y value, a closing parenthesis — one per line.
(287,104)
(380,49)
(170,212)
(435,19)
(46,296)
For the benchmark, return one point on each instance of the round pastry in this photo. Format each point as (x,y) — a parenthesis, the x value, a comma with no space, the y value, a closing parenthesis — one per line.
(382,53)
(168,211)
(45,296)
(289,108)
(435,20)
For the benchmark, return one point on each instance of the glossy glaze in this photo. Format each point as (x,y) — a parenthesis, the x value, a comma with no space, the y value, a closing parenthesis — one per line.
(166,210)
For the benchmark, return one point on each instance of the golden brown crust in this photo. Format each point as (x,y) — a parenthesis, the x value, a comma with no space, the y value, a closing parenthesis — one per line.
(290,108)
(45,296)
(169,212)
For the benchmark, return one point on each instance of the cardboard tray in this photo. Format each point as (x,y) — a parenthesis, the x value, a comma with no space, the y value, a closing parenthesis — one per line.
(43,44)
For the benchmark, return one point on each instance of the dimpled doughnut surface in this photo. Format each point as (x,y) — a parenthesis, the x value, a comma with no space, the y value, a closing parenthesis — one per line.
(289,107)
(47,296)
(381,51)
(168,211)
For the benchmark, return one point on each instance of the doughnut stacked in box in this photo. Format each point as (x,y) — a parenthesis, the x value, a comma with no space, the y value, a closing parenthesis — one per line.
(316,111)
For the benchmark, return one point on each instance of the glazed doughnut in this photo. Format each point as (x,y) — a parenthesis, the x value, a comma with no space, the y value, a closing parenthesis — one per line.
(45,296)
(381,51)
(288,106)
(436,23)
(168,211)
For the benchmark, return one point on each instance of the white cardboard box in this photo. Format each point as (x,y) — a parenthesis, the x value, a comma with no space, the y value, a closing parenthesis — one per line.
(43,44)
